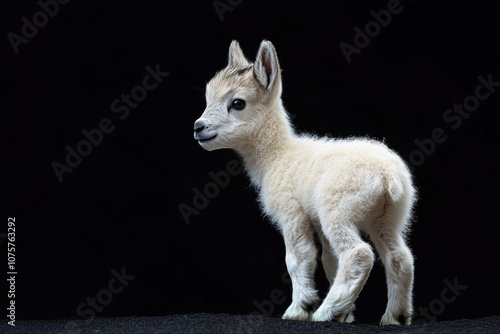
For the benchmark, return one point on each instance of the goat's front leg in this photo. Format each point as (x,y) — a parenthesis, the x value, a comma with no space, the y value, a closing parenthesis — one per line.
(301,264)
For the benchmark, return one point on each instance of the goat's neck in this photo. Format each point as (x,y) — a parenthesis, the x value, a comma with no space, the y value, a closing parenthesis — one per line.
(269,144)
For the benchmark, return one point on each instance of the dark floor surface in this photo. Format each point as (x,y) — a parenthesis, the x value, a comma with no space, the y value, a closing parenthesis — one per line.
(225,323)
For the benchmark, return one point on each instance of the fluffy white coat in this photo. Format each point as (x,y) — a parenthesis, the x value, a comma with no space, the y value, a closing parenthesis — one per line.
(307,185)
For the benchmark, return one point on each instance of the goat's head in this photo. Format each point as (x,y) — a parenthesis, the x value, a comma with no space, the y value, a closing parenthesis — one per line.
(238,98)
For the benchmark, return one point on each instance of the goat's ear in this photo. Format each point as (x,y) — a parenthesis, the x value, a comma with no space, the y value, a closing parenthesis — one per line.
(266,67)
(235,57)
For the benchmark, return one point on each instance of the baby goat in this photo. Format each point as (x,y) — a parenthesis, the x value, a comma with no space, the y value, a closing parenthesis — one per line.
(307,185)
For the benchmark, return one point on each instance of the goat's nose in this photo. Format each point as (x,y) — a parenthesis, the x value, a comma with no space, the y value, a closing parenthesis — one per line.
(199,126)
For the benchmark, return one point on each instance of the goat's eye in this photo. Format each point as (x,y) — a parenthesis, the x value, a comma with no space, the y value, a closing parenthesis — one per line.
(238,104)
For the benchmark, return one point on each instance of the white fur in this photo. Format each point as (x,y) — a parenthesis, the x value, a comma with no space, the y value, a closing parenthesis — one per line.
(334,188)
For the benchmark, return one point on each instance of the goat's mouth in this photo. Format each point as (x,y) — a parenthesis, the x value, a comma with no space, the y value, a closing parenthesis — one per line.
(204,140)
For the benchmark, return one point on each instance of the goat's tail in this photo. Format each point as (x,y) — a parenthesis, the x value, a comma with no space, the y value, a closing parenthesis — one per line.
(394,186)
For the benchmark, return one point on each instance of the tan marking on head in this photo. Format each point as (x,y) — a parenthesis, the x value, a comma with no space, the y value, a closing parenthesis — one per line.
(232,79)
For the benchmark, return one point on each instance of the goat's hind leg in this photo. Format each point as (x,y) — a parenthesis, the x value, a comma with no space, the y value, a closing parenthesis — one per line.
(398,262)
(355,261)
(330,265)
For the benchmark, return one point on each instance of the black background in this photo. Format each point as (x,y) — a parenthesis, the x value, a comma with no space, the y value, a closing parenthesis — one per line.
(119,208)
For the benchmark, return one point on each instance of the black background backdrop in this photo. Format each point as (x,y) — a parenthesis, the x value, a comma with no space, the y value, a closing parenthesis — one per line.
(119,207)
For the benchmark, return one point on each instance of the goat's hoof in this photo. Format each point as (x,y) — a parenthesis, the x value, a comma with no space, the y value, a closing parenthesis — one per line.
(388,319)
(346,317)
(328,315)
(296,313)
(322,315)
